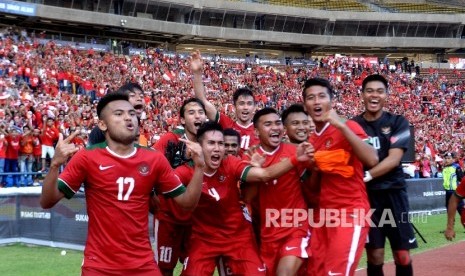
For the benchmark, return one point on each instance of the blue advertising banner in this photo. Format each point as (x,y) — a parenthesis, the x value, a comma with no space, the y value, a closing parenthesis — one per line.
(20,8)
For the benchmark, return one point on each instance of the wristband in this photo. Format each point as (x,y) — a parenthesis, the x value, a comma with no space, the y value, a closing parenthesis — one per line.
(367,177)
(294,160)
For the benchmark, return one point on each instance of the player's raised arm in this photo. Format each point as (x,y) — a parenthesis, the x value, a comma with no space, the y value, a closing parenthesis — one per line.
(199,89)
(64,150)
(304,155)
(189,199)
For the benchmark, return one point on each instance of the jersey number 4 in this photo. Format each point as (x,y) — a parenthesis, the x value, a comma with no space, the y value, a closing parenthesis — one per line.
(125,187)
(214,194)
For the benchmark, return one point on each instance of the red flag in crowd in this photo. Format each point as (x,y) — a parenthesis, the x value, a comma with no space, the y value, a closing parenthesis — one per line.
(429,149)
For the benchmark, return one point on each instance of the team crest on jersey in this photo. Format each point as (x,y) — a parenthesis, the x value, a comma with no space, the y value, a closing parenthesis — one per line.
(221,178)
(386,130)
(144,169)
(329,143)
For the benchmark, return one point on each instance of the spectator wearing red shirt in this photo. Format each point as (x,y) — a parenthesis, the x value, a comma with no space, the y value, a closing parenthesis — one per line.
(79,140)
(49,137)
(27,74)
(61,78)
(12,152)
(3,145)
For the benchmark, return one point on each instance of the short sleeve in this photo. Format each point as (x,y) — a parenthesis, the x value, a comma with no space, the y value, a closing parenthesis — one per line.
(358,130)
(224,120)
(184,174)
(74,174)
(168,183)
(238,167)
(400,137)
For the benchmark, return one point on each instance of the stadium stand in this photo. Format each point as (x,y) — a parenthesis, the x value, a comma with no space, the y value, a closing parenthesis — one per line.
(438,7)
(405,7)
(330,5)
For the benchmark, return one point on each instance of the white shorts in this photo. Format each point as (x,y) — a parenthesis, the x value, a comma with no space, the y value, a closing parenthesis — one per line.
(48,149)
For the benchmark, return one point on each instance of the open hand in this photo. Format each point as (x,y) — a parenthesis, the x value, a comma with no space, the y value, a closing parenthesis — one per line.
(255,158)
(196,62)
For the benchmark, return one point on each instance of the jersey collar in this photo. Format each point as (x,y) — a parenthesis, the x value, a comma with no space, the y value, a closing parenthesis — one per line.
(319,133)
(122,156)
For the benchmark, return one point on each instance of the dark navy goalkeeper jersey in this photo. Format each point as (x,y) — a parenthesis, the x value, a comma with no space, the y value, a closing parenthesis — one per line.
(388,132)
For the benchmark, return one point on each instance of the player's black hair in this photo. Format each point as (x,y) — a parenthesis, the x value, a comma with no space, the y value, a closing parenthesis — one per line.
(317,82)
(208,126)
(244,91)
(263,112)
(129,87)
(108,98)
(295,108)
(232,132)
(188,101)
(375,77)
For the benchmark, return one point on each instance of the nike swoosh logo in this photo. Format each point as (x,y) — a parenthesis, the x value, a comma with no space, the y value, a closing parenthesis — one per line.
(102,168)
(288,248)
(261,269)
(333,273)
(412,240)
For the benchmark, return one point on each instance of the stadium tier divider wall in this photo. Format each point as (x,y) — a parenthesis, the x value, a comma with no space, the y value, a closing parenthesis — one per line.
(65,225)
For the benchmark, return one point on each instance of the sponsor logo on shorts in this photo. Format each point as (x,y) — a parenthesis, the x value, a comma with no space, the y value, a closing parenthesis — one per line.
(289,248)
(412,240)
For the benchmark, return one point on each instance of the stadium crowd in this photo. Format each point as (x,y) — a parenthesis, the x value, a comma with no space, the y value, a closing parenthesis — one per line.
(46,89)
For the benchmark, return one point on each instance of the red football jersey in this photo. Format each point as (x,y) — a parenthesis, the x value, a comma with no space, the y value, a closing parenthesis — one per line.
(117,192)
(280,195)
(169,210)
(247,133)
(172,136)
(218,215)
(338,192)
